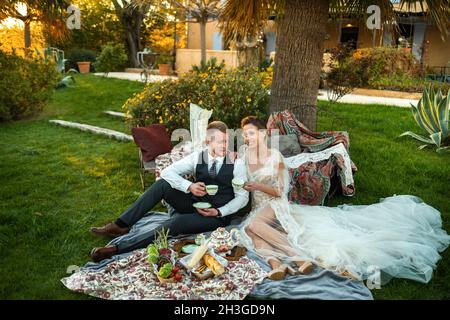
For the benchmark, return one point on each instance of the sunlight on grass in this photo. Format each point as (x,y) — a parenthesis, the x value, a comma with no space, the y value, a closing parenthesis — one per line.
(76,180)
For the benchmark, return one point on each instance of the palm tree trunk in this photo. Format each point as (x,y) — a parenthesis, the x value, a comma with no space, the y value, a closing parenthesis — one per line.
(27,34)
(203,40)
(298,59)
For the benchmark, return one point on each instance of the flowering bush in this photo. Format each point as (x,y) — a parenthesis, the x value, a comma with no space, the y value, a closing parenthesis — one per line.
(375,63)
(231,94)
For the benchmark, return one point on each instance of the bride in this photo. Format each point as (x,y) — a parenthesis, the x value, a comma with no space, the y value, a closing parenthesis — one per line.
(401,236)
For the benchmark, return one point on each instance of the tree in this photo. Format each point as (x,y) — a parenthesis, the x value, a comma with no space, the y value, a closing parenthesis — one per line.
(99,26)
(131,14)
(199,11)
(47,12)
(300,41)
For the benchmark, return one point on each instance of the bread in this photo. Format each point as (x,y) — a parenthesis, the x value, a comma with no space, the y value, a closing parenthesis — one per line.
(213,265)
(197,255)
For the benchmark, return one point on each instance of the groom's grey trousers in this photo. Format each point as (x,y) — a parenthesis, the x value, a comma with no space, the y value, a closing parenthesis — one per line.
(184,220)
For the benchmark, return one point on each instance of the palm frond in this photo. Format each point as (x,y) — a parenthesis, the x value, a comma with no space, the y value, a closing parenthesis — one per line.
(247,17)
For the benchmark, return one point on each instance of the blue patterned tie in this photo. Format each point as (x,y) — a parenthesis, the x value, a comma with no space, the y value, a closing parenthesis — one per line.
(212,170)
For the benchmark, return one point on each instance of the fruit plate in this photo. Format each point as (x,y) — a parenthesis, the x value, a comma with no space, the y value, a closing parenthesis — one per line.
(202,205)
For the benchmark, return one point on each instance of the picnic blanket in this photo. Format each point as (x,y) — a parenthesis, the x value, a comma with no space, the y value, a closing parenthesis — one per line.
(127,276)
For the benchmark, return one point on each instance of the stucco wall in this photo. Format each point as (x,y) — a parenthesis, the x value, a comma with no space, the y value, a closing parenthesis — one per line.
(193,40)
(186,58)
(437,51)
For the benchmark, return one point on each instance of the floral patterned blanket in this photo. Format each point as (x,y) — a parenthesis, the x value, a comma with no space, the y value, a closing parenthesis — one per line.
(130,278)
(127,276)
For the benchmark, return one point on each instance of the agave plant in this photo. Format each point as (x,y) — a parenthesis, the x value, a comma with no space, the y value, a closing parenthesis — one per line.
(432,115)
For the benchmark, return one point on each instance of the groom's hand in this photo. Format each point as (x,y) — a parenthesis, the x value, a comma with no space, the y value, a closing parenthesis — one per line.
(208,212)
(198,189)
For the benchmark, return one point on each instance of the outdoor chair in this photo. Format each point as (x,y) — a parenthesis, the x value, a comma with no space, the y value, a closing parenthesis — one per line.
(145,168)
(56,55)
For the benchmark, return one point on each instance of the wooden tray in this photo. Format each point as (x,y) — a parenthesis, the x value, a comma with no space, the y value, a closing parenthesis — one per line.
(236,253)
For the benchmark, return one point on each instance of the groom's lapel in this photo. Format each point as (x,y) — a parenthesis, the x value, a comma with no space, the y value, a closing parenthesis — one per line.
(204,157)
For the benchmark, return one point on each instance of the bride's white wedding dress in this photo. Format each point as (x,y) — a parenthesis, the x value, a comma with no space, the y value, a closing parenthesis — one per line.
(401,235)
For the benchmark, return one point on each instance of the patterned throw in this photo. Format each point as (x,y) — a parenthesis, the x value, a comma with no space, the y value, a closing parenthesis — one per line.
(313,181)
(310,141)
(131,279)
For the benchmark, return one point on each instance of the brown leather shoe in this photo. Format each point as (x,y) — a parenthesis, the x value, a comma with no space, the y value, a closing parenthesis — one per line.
(109,230)
(99,254)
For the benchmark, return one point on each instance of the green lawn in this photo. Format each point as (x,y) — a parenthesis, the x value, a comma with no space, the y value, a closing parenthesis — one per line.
(57,182)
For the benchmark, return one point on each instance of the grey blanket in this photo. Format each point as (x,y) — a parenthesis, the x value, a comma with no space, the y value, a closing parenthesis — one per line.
(321,284)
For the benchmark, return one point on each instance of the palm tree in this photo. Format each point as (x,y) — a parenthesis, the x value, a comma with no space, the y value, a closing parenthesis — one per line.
(195,11)
(300,40)
(28,11)
(199,11)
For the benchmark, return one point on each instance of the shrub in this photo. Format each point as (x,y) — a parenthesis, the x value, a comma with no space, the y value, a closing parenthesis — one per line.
(80,55)
(375,63)
(342,77)
(378,68)
(231,95)
(112,58)
(164,59)
(25,85)
(407,83)
(265,64)
(210,66)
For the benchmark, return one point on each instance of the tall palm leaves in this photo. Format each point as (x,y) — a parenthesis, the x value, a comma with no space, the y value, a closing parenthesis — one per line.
(299,43)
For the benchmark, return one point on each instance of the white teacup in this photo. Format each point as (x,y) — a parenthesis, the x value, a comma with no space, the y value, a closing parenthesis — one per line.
(237,183)
(212,189)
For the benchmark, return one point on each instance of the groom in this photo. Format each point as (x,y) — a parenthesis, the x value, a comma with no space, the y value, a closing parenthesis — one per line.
(211,166)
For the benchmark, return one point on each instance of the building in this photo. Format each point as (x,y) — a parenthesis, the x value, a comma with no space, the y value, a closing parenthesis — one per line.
(414,30)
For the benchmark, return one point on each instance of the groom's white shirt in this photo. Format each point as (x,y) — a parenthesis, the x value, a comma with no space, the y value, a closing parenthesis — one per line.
(173,174)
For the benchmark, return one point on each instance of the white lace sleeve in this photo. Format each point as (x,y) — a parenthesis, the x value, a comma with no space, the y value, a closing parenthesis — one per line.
(281,175)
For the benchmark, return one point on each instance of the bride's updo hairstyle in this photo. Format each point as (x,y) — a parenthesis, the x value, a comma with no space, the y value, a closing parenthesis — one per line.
(253,121)
(253,137)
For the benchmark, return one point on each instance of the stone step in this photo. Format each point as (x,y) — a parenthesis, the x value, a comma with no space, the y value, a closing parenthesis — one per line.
(115,114)
(96,130)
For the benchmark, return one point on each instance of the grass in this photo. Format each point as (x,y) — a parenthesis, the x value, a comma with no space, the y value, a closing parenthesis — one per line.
(57,182)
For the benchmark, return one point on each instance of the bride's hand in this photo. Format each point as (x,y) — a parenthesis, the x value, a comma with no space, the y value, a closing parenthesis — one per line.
(252,186)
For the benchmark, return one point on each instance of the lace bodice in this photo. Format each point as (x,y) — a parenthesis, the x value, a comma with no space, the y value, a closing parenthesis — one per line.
(272,172)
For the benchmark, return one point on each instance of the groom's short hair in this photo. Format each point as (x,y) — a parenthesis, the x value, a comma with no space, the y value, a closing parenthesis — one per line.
(217,125)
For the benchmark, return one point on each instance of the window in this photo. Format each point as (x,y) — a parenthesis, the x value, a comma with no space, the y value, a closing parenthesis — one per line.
(405,35)
(350,35)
